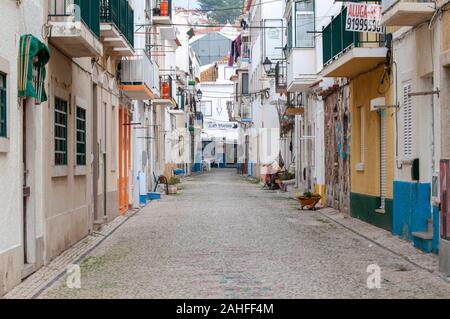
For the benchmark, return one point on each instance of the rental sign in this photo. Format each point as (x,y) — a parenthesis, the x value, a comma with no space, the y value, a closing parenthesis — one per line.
(363,17)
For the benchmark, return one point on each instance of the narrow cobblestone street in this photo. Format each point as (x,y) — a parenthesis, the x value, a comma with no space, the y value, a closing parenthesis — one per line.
(223,237)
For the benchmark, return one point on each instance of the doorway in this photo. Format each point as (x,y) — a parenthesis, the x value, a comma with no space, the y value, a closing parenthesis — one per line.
(124,159)
(28,210)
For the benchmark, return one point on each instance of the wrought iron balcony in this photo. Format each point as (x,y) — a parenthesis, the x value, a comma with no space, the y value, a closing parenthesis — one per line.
(117,26)
(347,53)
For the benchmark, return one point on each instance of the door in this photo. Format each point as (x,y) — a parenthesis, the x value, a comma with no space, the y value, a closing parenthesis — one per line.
(247,153)
(124,159)
(28,189)
(96,153)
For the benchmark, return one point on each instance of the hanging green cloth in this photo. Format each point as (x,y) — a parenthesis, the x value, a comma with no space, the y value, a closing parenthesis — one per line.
(33,56)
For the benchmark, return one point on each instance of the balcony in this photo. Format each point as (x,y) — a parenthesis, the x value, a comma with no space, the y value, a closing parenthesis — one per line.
(406,12)
(346,53)
(167,92)
(162,12)
(139,78)
(281,77)
(117,27)
(75,27)
(246,51)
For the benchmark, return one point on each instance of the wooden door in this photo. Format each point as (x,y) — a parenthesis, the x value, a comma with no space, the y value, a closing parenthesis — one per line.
(122,189)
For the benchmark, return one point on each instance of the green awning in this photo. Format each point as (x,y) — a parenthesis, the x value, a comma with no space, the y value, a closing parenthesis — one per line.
(33,56)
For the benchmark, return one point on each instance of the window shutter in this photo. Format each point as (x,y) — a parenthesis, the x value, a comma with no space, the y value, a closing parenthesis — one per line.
(407,122)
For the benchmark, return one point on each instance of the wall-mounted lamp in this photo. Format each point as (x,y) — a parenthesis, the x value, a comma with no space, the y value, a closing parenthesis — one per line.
(267,65)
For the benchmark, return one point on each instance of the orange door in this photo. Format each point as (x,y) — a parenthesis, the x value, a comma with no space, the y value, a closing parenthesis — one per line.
(124,160)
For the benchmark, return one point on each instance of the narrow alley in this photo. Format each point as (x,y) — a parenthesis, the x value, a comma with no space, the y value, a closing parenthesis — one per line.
(224,237)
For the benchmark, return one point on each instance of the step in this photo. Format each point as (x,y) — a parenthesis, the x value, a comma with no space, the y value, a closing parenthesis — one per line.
(423,235)
(27,270)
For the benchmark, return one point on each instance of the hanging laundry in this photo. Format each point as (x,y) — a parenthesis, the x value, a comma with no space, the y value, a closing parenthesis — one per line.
(237,49)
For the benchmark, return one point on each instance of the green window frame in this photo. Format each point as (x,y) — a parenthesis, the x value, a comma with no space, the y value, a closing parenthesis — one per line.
(60,132)
(3,106)
(81,136)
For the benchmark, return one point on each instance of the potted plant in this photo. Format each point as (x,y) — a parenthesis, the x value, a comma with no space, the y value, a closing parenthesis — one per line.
(172,188)
(309,200)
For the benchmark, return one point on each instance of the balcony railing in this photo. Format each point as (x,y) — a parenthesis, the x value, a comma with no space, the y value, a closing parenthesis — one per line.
(87,11)
(246,52)
(336,40)
(281,76)
(140,70)
(160,9)
(121,14)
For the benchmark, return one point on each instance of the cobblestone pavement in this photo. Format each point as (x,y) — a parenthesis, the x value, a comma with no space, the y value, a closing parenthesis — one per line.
(223,237)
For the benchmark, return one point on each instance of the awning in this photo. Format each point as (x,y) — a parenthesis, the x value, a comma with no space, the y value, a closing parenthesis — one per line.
(33,56)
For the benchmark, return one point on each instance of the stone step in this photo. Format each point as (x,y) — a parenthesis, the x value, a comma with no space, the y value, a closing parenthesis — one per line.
(27,270)
(423,235)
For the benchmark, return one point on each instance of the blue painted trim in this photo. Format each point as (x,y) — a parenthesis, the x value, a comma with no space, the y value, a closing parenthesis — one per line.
(143,199)
(197,167)
(412,210)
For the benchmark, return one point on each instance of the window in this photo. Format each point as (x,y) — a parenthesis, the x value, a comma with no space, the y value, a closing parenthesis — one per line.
(81,136)
(206,108)
(407,121)
(3,114)
(304,24)
(362,136)
(244,83)
(60,132)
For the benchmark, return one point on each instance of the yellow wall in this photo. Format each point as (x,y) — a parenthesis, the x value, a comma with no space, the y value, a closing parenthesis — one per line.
(363,89)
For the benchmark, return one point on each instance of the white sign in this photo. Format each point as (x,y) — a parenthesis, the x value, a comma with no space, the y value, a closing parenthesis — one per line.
(363,17)
(221,125)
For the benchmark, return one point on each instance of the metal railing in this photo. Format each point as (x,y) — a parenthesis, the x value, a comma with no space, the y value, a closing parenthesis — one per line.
(246,52)
(87,11)
(336,40)
(121,14)
(139,70)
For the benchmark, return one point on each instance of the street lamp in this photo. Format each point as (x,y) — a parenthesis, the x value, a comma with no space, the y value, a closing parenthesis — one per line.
(267,65)
(199,95)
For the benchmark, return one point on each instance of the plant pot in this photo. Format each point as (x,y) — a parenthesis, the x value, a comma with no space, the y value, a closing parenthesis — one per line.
(179,187)
(309,202)
(172,190)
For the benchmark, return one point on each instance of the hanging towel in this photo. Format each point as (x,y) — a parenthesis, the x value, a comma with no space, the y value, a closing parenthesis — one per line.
(237,49)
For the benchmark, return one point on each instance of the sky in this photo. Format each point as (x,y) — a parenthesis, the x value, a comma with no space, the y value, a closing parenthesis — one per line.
(186,3)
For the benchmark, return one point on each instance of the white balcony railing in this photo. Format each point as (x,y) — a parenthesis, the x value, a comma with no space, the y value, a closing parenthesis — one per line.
(140,70)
